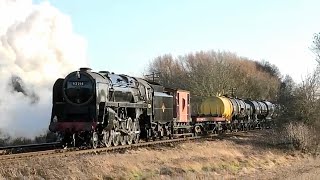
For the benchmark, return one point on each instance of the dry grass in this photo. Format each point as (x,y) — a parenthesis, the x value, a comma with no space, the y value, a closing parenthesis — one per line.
(236,156)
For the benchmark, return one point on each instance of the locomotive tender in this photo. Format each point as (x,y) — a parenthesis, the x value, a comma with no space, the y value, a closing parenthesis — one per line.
(102,108)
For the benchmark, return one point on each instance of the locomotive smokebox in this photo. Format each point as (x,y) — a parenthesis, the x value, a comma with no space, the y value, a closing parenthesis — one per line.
(85,69)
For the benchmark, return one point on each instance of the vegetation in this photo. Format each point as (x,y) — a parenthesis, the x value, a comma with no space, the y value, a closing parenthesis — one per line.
(299,123)
(6,140)
(210,73)
(301,115)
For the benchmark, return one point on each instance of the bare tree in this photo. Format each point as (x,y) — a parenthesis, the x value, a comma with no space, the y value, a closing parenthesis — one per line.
(307,98)
(208,73)
(316,46)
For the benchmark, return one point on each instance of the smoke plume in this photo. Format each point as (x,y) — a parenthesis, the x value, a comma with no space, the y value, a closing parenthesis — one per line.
(37,46)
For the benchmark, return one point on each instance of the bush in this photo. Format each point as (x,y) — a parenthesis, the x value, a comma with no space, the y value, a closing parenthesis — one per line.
(301,136)
(298,135)
(6,140)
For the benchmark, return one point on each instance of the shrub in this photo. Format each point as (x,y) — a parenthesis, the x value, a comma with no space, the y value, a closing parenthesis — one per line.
(298,135)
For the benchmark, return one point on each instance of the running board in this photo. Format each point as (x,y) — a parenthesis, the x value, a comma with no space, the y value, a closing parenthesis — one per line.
(182,127)
(185,135)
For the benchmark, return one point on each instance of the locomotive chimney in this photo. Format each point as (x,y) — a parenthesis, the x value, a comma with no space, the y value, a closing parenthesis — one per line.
(85,69)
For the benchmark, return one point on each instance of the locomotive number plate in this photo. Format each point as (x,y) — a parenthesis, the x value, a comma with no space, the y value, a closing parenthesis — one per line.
(77,83)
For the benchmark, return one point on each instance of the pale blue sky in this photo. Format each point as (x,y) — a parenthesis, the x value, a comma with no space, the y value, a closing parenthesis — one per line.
(123,36)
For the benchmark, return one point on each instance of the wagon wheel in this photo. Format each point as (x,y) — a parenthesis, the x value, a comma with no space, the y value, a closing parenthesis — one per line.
(197,130)
(94,140)
(73,142)
(131,134)
(107,138)
(168,131)
(123,138)
(136,132)
(247,126)
(115,137)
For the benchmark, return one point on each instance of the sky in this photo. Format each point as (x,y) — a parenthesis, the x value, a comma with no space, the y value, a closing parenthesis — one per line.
(123,36)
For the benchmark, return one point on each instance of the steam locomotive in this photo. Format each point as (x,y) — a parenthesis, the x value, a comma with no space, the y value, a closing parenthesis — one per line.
(104,109)
(90,107)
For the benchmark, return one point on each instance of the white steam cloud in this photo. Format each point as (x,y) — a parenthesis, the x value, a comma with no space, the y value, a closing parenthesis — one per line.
(37,46)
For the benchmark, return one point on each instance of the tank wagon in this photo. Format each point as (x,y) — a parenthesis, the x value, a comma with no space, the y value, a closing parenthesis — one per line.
(220,113)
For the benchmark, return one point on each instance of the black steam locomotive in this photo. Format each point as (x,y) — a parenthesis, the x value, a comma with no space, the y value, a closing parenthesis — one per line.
(91,108)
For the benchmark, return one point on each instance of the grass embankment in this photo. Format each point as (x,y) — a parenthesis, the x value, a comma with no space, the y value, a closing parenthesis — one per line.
(245,155)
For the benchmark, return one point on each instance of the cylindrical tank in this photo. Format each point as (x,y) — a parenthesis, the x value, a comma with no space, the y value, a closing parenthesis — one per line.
(264,108)
(236,107)
(271,109)
(217,106)
(249,110)
(255,108)
(239,107)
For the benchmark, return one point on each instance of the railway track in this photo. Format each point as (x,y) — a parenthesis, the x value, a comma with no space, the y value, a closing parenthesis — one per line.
(78,151)
(28,148)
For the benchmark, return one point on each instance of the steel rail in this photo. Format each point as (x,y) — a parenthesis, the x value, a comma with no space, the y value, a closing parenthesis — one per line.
(79,151)
(28,148)
(29,145)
